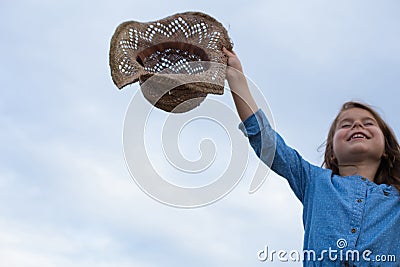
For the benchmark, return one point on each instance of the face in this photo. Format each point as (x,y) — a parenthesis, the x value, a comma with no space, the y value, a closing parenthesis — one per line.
(358,137)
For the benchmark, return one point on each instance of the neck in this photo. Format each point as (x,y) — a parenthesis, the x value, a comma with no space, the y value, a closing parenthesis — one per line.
(364,169)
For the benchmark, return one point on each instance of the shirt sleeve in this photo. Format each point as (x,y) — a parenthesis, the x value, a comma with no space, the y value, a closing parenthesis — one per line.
(273,151)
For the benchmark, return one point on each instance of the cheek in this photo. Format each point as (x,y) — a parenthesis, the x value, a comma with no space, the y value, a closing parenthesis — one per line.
(381,142)
(338,138)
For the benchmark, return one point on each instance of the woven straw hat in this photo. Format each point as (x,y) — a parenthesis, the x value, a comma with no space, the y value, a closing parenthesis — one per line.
(182,54)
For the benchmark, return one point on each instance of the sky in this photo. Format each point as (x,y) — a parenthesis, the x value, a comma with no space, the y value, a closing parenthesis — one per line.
(66,195)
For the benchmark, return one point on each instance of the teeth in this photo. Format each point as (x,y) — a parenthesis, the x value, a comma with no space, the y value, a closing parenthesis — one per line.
(358,136)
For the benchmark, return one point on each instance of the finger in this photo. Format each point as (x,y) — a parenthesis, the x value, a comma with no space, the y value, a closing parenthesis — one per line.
(227,52)
(231,51)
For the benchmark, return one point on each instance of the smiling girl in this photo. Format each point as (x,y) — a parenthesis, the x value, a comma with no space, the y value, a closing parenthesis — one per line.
(360,141)
(354,200)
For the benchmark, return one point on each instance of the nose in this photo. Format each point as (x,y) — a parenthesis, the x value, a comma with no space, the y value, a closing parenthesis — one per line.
(357,124)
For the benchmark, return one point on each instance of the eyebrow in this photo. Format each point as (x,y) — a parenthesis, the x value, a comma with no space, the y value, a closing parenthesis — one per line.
(349,119)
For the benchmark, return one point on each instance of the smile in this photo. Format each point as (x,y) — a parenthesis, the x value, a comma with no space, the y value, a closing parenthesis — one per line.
(358,136)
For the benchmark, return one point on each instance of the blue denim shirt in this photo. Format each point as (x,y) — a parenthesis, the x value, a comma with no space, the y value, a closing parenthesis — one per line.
(342,216)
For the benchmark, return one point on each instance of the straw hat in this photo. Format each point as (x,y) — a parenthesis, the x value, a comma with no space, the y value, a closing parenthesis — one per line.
(180,57)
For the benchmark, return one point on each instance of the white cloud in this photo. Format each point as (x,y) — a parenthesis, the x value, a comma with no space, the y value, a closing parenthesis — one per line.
(29,245)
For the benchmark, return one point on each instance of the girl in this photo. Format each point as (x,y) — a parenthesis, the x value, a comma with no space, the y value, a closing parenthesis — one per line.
(351,208)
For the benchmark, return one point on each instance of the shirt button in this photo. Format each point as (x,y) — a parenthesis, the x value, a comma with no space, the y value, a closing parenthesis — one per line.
(359,200)
(385,193)
(353,230)
(346,264)
(363,178)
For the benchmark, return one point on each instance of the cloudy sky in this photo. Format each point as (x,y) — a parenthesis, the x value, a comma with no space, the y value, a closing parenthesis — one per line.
(66,195)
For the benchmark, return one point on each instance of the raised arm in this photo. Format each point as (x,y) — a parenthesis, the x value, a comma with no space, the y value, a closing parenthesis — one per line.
(268,145)
(244,101)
